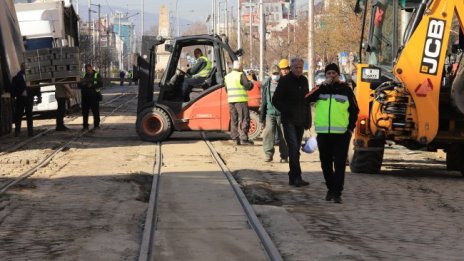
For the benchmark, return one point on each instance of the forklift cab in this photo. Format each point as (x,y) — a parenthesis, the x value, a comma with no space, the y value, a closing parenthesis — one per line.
(182,59)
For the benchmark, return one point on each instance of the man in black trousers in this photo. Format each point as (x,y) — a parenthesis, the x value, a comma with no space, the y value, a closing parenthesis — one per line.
(289,99)
(335,118)
(24,100)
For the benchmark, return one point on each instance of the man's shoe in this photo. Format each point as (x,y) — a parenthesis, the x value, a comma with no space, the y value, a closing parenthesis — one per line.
(267,159)
(85,129)
(30,134)
(17,133)
(338,200)
(96,128)
(247,142)
(329,196)
(283,160)
(301,183)
(62,128)
(237,142)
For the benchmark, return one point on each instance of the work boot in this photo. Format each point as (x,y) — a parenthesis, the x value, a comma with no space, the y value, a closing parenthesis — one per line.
(301,183)
(85,128)
(329,196)
(237,142)
(267,159)
(62,128)
(247,142)
(338,200)
(283,160)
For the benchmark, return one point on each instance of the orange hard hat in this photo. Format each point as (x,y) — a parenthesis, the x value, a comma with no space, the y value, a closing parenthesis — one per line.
(283,64)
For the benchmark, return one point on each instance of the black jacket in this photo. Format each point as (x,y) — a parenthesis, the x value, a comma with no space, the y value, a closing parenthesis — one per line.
(289,99)
(339,88)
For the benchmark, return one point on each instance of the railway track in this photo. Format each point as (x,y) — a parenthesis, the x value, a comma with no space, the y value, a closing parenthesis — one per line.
(22,168)
(155,219)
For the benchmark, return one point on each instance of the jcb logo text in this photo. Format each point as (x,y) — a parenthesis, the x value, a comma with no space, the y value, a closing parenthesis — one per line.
(433,45)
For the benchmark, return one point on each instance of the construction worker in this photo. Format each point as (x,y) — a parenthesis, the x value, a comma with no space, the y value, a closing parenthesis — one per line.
(284,67)
(91,96)
(270,117)
(199,73)
(335,118)
(237,86)
(62,94)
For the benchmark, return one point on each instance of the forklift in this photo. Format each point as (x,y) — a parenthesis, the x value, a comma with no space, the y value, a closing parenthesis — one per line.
(207,109)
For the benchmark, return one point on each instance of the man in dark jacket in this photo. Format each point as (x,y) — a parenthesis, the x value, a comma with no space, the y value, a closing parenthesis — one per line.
(91,93)
(24,100)
(289,99)
(335,118)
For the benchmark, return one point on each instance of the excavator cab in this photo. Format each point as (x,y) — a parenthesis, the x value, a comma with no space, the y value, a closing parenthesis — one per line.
(204,105)
(409,87)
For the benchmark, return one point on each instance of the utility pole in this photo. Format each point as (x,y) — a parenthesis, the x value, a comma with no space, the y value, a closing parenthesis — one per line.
(143,18)
(227,18)
(213,21)
(311,44)
(88,23)
(120,43)
(177,17)
(250,20)
(239,25)
(262,38)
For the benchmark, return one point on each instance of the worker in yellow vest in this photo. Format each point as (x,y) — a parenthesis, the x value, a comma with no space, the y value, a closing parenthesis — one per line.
(199,73)
(237,85)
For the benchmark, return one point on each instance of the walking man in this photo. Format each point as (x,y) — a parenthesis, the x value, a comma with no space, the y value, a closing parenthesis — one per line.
(91,91)
(335,118)
(271,119)
(289,99)
(24,100)
(237,86)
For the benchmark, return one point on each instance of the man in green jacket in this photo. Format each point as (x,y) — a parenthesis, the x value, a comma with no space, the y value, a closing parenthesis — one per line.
(271,119)
(335,118)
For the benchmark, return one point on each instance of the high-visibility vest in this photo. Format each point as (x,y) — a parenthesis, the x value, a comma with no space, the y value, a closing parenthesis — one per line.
(95,76)
(332,114)
(205,71)
(235,90)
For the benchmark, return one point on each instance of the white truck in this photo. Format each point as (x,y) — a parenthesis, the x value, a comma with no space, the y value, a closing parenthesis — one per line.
(47,24)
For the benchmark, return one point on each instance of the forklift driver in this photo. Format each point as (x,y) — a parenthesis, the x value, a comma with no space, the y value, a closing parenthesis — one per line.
(199,73)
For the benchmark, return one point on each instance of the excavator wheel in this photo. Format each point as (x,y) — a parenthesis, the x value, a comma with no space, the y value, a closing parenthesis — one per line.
(366,161)
(256,127)
(454,157)
(153,124)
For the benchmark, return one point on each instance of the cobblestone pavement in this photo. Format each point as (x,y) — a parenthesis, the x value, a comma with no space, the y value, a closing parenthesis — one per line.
(411,211)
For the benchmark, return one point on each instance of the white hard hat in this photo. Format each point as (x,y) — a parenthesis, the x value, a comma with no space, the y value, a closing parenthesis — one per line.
(236,65)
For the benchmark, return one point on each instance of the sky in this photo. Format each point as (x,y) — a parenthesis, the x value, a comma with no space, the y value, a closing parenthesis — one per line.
(189,11)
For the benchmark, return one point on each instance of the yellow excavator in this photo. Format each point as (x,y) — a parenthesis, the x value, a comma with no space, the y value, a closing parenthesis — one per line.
(410,82)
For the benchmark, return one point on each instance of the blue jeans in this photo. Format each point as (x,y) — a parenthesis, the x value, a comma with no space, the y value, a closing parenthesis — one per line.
(293,135)
(273,127)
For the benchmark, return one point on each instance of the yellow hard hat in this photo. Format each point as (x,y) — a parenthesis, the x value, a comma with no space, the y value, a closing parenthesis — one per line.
(283,64)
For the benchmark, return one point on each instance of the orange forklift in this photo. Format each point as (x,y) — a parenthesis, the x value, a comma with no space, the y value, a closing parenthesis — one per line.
(207,109)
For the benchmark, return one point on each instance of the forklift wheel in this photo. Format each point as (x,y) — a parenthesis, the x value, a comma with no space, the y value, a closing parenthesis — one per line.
(153,124)
(256,127)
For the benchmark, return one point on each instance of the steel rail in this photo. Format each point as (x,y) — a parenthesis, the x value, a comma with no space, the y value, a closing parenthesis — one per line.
(21,144)
(45,161)
(271,250)
(148,239)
